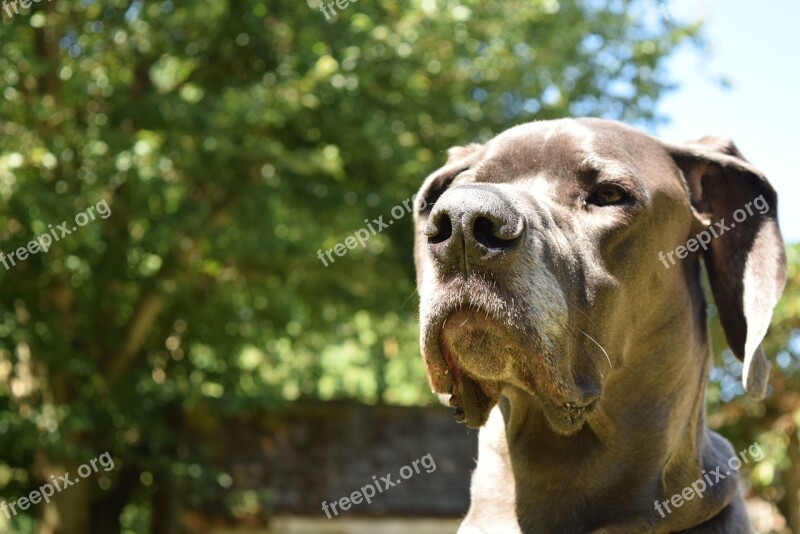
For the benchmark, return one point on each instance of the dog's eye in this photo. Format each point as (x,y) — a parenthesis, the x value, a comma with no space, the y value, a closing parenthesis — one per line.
(607,195)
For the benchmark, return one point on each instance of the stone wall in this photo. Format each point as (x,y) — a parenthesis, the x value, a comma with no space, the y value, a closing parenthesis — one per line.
(315,451)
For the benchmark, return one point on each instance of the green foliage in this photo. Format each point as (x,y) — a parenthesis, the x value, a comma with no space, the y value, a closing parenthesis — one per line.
(773,422)
(232,141)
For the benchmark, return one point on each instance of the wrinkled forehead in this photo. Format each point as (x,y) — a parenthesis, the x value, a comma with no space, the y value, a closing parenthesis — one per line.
(564,148)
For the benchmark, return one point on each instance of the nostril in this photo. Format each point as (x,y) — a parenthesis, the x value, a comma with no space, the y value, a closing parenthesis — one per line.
(438,229)
(496,236)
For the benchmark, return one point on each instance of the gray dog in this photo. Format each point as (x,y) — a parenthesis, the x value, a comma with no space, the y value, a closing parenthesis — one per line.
(559,272)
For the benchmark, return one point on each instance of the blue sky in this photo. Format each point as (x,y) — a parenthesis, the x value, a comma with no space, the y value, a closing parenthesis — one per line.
(756,46)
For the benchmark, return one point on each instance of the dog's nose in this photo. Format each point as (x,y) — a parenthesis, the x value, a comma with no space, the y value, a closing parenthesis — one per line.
(473,225)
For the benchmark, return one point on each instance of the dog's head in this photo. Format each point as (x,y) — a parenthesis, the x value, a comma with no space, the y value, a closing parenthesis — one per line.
(539,253)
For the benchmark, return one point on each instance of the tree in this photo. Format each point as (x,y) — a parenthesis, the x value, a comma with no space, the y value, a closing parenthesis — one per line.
(231,142)
(773,422)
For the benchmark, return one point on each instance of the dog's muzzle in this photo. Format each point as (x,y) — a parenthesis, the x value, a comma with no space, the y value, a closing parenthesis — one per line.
(473,227)
(472,232)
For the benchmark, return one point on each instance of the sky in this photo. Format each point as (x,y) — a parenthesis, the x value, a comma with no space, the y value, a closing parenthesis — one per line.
(756,46)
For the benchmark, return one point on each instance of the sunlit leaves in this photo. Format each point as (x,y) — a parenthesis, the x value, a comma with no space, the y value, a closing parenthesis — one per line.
(233,140)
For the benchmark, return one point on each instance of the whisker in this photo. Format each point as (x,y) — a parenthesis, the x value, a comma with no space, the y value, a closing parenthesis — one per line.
(408,298)
(480,343)
(599,345)
(571,328)
(577,308)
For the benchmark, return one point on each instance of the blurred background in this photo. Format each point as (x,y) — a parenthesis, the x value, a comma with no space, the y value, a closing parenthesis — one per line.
(195,335)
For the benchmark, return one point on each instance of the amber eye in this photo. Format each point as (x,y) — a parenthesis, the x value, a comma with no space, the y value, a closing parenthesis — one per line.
(607,195)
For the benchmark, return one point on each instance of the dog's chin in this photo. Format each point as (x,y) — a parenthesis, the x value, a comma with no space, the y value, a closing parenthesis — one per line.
(564,420)
(470,359)
(471,356)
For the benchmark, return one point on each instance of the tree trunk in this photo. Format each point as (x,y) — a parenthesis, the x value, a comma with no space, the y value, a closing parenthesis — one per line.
(69,510)
(167,497)
(108,508)
(166,503)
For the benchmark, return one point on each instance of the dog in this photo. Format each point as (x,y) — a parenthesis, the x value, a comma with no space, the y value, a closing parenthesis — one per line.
(550,321)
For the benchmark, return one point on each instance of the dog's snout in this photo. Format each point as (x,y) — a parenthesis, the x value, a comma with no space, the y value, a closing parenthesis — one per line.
(473,226)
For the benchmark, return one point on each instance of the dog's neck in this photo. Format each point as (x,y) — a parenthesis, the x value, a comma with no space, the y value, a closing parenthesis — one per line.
(631,451)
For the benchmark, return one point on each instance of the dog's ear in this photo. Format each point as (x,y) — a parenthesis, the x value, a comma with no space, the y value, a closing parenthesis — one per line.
(456,153)
(746,263)
(459,159)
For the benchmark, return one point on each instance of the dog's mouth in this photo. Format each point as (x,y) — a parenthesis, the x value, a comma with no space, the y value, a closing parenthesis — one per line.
(567,418)
(471,401)
(473,356)
(470,360)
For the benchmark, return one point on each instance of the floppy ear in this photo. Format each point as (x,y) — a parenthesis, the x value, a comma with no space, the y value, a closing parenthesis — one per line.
(746,263)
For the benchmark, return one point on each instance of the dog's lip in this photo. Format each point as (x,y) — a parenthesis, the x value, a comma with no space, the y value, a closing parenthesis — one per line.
(437,356)
(580,406)
(471,402)
(439,369)
(566,418)
(473,398)
(470,396)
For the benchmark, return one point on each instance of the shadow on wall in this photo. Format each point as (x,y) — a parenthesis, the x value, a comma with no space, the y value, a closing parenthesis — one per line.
(313,453)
